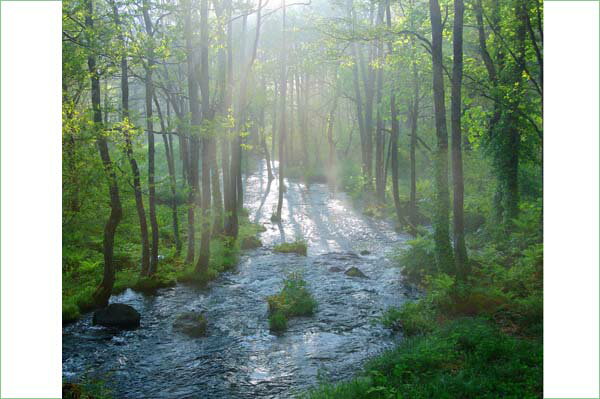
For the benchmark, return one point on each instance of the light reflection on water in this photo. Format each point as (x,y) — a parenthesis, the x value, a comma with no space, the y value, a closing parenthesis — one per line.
(240,358)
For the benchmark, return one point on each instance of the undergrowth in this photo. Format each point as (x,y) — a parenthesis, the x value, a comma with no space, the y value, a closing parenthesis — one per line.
(294,300)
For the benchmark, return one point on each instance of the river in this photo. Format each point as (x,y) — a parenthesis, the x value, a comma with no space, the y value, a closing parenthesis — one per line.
(240,358)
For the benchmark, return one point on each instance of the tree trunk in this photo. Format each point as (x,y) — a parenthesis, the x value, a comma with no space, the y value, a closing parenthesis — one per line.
(103,291)
(168,143)
(443,248)
(195,126)
(204,256)
(460,250)
(394,134)
(282,127)
(137,185)
(379,136)
(149,126)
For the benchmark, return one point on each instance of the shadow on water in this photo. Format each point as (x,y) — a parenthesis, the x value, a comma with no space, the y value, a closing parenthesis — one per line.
(240,358)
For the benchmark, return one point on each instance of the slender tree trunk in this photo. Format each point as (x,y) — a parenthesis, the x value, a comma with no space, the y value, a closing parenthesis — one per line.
(149,125)
(303,125)
(511,152)
(204,256)
(217,199)
(274,127)
(282,127)
(168,142)
(195,126)
(103,291)
(394,134)
(443,248)
(414,119)
(379,136)
(460,250)
(137,185)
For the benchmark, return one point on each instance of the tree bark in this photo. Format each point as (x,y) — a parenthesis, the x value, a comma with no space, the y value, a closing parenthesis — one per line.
(104,290)
(168,143)
(195,127)
(282,127)
(443,248)
(149,125)
(137,185)
(204,255)
(460,250)
(379,135)
(394,134)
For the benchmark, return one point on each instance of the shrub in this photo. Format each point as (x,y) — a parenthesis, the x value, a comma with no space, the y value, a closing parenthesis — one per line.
(298,247)
(418,261)
(70,312)
(293,300)
(412,318)
(277,322)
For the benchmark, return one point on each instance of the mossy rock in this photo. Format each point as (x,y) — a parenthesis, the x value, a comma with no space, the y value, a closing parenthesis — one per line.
(335,269)
(297,247)
(117,315)
(250,242)
(365,252)
(192,324)
(355,272)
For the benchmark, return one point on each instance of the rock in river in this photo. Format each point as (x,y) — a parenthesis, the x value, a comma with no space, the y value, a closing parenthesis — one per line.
(191,323)
(355,272)
(117,315)
(335,269)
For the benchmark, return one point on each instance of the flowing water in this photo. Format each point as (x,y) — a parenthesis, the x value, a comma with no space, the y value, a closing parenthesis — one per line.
(240,358)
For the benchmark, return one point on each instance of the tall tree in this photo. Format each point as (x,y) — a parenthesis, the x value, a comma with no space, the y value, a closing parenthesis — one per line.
(204,256)
(149,66)
(195,128)
(443,249)
(104,290)
(282,124)
(394,132)
(460,250)
(137,185)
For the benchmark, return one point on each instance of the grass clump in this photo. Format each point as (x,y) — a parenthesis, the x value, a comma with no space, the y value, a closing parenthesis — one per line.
(277,322)
(294,300)
(467,358)
(297,247)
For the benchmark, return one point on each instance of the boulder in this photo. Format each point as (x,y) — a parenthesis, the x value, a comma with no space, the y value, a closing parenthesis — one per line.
(192,324)
(365,252)
(354,272)
(335,269)
(117,315)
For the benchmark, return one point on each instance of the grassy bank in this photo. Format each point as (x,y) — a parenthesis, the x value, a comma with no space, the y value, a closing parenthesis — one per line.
(477,338)
(84,270)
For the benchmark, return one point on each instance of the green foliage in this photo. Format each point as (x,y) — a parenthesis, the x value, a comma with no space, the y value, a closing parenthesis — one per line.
(298,247)
(418,261)
(83,267)
(277,322)
(294,300)
(468,358)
